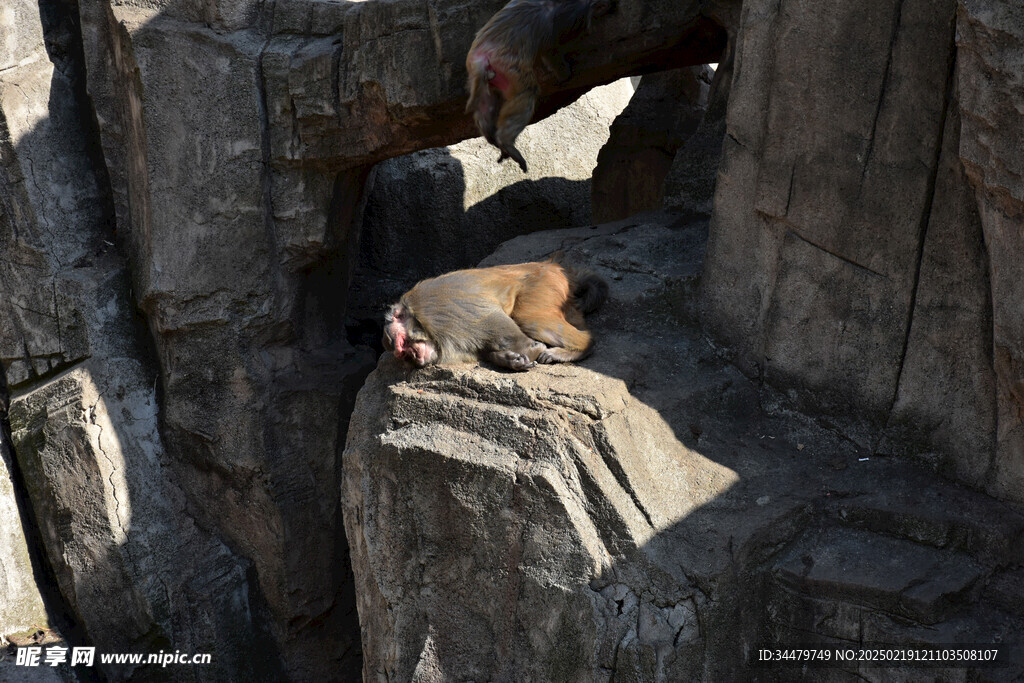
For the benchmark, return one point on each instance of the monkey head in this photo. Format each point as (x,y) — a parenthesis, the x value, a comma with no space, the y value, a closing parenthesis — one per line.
(406,338)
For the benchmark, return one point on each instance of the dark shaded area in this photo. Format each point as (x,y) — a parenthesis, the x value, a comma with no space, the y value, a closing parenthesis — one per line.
(532,205)
(661,116)
(62,35)
(690,183)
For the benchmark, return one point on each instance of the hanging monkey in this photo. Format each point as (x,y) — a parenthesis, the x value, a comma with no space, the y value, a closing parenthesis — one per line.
(502,82)
(513,316)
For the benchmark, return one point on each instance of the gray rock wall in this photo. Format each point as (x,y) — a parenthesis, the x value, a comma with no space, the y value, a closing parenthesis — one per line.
(803,209)
(134,570)
(988,73)
(23,606)
(856,257)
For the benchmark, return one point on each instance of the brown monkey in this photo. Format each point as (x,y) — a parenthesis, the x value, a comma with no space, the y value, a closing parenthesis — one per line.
(513,316)
(502,81)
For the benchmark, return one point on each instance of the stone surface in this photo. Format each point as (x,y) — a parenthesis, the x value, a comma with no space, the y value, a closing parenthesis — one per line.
(899,577)
(21,601)
(690,184)
(134,571)
(182,187)
(12,673)
(644,139)
(647,513)
(946,390)
(799,219)
(442,209)
(35,645)
(990,38)
(848,261)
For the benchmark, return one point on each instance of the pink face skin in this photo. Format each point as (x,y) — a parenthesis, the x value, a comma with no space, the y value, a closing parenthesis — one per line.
(420,353)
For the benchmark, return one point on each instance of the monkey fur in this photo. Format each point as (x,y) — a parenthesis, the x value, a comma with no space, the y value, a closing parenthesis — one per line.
(502,82)
(513,316)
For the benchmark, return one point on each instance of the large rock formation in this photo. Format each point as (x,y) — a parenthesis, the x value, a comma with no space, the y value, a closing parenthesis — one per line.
(181,194)
(860,236)
(990,38)
(134,570)
(182,187)
(646,514)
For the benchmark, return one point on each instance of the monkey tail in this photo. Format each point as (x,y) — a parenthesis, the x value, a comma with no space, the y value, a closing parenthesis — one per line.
(589,289)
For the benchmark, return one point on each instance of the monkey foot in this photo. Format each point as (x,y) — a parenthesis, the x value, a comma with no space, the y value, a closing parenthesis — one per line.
(512,360)
(556,354)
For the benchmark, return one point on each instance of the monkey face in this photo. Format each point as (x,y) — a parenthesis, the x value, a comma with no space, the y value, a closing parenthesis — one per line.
(403,336)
